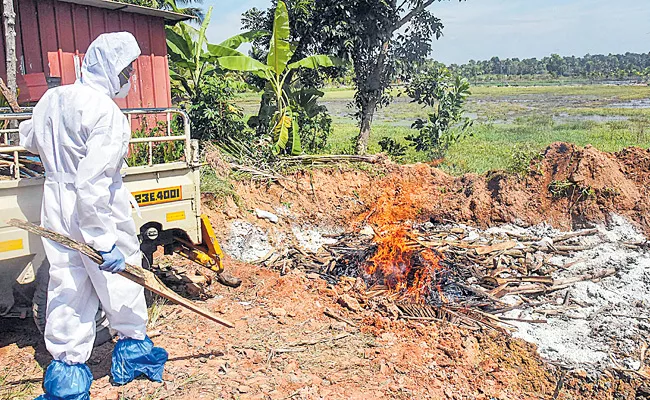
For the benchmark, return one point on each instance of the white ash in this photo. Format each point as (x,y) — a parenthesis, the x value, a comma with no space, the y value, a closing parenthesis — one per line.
(602,323)
(311,238)
(601,318)
(246,242)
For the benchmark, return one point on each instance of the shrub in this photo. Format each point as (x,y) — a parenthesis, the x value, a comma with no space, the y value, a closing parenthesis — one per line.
(391,147)
(521,158)
(437,88)
(163,152)
(314,121)
(213,113)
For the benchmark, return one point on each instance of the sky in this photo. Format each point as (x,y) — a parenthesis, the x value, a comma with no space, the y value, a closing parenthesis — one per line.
(481,29)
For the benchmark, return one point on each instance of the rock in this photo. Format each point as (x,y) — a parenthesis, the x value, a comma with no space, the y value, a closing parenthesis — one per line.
(261,214)
(243,389)
(350,302)
(278,312)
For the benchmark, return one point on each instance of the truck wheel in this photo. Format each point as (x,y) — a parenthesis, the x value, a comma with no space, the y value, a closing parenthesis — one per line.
(39,305)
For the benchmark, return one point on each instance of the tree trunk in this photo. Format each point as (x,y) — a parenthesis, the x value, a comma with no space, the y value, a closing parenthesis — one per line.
(9,20)
(367,113)
(374,91)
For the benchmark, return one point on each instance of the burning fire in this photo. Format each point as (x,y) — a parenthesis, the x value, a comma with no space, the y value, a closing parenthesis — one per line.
(401,264)
(403,268)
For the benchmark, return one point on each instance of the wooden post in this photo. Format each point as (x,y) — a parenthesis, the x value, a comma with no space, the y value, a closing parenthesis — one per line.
(9,20)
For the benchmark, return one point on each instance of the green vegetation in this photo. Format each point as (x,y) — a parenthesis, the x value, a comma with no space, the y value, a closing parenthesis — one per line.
(631,66)
(154,311)
(512,124)
(605,92)
(384,41)
(292,113)
(171,5)
(444,94)
(15,390)
(201,86)
(162,152)
(277,72)
(219,187)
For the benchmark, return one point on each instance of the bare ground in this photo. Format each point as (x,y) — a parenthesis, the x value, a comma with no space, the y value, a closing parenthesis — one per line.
(284,346)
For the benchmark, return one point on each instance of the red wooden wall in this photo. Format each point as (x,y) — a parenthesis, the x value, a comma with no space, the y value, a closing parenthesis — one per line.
(51,32)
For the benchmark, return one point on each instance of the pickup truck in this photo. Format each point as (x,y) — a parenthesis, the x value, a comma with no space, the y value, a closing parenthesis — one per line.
(168,195)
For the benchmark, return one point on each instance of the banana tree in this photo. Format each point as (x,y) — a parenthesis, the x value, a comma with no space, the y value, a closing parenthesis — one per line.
(284,124)
(192,58)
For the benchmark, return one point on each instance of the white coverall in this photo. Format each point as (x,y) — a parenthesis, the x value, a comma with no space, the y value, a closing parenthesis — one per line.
(82,137)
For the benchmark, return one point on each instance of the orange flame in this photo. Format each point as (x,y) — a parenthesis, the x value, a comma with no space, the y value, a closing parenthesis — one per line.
(401,264)
(403,269)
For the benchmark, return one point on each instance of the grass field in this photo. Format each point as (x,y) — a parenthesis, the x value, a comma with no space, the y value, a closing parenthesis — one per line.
(509,122)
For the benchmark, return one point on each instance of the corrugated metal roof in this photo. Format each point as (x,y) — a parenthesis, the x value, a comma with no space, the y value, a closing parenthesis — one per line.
(114,5)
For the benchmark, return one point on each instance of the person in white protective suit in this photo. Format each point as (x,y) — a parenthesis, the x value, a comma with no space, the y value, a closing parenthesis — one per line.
(82,137)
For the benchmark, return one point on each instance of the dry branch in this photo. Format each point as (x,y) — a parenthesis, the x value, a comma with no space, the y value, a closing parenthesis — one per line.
(318,341)
(9,96)
(332,159)
(332,315)
(134,273)
(571,235)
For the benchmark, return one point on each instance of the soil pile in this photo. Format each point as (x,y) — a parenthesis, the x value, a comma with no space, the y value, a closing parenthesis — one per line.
(568,187)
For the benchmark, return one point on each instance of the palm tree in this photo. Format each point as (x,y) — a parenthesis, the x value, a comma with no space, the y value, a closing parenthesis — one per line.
(172,5)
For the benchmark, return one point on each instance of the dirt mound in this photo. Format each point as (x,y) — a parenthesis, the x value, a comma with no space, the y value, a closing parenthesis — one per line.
(590,184)
(567,186)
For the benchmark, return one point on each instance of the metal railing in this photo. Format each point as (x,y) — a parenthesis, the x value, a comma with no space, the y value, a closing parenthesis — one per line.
(159,139)
(8,148)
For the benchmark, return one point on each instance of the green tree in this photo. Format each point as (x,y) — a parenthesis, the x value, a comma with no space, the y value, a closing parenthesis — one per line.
(199,84)
(192,58)
(385,41)
(276,72)
(613,66)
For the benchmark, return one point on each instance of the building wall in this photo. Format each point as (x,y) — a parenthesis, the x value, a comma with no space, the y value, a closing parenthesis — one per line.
(51,32)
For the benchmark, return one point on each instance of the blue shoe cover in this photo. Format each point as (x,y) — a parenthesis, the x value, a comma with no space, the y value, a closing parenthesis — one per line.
(66,382)
(132,358)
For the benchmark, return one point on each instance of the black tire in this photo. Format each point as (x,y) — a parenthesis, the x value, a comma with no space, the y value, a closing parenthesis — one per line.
(39,305)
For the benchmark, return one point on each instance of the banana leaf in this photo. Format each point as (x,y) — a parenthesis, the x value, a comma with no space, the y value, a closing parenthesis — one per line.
(280,51)
(316,61)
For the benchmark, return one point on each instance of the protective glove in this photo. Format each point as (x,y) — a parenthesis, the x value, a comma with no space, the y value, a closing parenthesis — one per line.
(113,260)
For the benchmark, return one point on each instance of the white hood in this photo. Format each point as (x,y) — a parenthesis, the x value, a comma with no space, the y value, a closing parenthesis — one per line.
(106,57)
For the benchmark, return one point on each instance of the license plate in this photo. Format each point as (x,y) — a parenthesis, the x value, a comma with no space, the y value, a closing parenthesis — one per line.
(158,196)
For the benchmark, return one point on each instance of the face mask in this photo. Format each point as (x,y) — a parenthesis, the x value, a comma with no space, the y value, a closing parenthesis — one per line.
(124,90)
